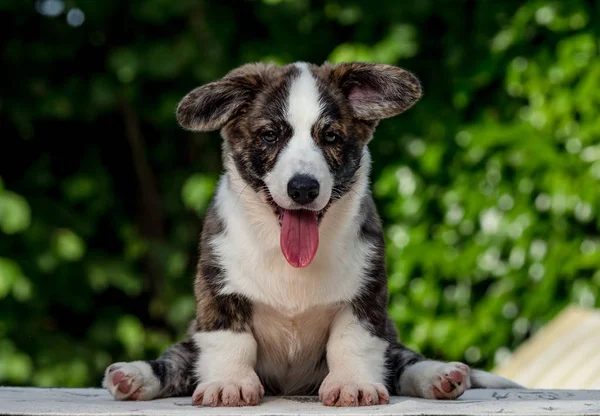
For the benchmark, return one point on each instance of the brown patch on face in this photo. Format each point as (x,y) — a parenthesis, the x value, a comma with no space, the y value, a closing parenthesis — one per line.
(212,105)
(254,157)
(213,310)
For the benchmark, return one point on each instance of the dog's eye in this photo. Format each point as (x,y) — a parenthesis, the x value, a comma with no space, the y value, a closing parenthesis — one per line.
(269,136)
(331,137)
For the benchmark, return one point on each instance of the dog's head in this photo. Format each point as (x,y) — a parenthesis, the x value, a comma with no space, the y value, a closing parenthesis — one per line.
(297,133)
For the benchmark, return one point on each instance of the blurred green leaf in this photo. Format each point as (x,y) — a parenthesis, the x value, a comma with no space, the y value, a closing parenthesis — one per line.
(131,334)
(15,213)
(68,245)
(197,191)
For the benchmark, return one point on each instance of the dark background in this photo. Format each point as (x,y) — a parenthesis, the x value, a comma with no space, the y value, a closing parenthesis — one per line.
(489,187)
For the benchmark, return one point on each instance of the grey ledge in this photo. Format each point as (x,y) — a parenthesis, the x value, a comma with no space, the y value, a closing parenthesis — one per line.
(88,402)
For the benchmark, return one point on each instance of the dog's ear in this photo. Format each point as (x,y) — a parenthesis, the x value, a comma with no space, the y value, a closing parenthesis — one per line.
(212,105)
(376,91)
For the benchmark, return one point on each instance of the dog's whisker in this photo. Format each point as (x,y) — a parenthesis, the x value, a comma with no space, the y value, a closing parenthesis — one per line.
(240,194)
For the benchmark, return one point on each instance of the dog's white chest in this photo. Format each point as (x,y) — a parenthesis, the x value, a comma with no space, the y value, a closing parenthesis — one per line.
(290,290)
(255,267)
(291,349)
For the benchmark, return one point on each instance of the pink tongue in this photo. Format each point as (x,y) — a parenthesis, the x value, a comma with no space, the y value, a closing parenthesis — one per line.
(299,236)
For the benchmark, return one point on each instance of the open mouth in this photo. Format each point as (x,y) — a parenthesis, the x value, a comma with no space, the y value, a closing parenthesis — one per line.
(280,212)
(299,235)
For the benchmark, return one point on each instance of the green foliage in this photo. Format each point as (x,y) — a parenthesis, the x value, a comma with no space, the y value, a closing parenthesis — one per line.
(488,187)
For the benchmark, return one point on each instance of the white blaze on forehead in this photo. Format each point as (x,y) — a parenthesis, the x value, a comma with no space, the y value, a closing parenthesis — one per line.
(301,154)
(303,106)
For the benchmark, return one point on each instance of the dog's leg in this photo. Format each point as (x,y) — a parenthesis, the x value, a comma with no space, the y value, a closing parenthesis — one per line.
(226,369)
(356,360)
(170,375)
(412,375)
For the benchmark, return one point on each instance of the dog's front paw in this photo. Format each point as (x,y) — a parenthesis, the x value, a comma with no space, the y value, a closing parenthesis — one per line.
(448,381)
(131,381)
(343,391)
(245,391)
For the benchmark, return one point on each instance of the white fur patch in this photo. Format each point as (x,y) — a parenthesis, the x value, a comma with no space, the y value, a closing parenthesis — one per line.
(138,375)
(301,154)
(353,354)
(419,379)
(356,361)
(225,369)
(224,355)
(254,266)
(304,107)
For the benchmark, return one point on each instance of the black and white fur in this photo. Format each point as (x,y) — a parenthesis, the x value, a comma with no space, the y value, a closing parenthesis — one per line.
(263,326)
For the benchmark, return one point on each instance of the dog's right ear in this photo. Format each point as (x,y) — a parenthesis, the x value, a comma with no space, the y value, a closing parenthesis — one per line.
(212,105)
(376,91)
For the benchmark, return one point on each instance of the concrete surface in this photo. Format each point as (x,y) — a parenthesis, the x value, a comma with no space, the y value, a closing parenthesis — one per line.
(76,402)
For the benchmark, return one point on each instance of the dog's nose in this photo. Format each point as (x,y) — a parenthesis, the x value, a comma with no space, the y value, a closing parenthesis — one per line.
(303,189)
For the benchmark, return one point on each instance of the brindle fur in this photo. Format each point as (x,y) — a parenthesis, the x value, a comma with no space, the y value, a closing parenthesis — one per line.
(215,311)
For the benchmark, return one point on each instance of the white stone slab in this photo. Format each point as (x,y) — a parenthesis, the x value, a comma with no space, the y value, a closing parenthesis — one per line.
(87,402)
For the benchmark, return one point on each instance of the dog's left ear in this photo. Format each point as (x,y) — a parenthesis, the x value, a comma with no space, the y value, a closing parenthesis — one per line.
(376,91)
(212,105)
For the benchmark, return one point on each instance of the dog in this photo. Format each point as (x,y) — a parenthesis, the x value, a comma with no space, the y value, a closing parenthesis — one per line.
(291,286)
